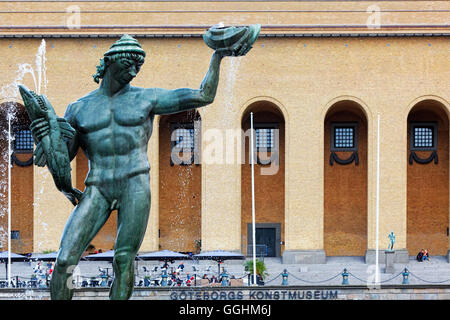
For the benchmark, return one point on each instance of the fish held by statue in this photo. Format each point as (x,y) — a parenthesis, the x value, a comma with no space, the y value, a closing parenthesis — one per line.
(52,149)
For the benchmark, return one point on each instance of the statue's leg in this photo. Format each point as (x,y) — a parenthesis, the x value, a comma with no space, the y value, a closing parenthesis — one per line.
(134,210)
(83,224)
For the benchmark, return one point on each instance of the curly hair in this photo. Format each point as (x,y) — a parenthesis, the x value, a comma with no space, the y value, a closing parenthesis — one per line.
(101,68)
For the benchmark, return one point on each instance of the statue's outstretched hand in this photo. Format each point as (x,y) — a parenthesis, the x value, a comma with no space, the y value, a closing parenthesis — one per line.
(224,52)
(240,50)
(231,41)
(243,49)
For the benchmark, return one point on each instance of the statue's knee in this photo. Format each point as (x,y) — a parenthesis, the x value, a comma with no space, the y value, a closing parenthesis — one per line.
(65,262)
(123,260)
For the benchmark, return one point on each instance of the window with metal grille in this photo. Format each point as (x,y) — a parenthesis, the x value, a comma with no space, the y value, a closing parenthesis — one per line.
(185,143)
(423,136)
(344,136)
(264,138)
(184,138)
(23,140)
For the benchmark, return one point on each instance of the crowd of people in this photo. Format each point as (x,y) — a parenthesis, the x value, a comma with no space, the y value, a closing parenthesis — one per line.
(178,278)
(39,268)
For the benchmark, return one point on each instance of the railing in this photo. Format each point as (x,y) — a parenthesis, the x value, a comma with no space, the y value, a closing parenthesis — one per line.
(24,282)
(164,280)
(405,275)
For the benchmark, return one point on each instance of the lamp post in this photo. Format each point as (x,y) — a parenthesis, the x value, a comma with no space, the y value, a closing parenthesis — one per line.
(405,275)
(225,281)
(253,198)
(345,277)
(284,275)
(377,210)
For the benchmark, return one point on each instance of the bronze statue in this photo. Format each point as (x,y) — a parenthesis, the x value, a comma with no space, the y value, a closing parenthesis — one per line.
(113,125)
(391,237)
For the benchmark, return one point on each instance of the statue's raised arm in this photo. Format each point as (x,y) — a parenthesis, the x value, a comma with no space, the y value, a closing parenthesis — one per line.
(226,41)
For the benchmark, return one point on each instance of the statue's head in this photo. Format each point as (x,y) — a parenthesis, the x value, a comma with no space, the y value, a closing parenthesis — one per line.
(125,58)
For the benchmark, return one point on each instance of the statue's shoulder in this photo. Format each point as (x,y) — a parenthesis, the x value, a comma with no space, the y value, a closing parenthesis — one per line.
(76,106)
(149,95)
(79,103)
(145,92)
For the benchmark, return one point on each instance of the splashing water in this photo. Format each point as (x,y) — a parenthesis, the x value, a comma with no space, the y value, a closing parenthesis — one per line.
(41,67)
(41,226)
(233,69)
(182,203)
(5,163)
(10,92)
(185,177)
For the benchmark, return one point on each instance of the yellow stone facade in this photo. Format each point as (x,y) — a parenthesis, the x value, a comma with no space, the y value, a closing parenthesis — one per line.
(310,55)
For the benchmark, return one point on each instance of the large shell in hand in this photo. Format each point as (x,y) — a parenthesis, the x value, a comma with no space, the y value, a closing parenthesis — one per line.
(231,38)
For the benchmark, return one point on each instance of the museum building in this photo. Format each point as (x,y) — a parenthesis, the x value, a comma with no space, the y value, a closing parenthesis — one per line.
(350,103)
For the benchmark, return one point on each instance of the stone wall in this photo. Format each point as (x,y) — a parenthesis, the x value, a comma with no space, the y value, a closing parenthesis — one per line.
(251,294)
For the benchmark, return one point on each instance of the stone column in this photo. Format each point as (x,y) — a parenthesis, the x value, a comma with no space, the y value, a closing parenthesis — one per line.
(304,186)
(221,184)
(393,184)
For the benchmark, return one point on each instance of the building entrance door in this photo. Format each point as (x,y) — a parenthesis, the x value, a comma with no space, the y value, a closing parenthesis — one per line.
(267,237)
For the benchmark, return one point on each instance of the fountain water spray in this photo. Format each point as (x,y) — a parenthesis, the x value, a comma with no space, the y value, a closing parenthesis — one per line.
(9,198)
(10,92)
(41,67)
(234,64)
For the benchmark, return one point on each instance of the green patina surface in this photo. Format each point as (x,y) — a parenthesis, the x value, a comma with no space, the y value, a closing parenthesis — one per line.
(113,125)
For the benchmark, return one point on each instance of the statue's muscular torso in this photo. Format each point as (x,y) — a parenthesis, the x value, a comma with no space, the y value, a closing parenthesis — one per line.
(114,132)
